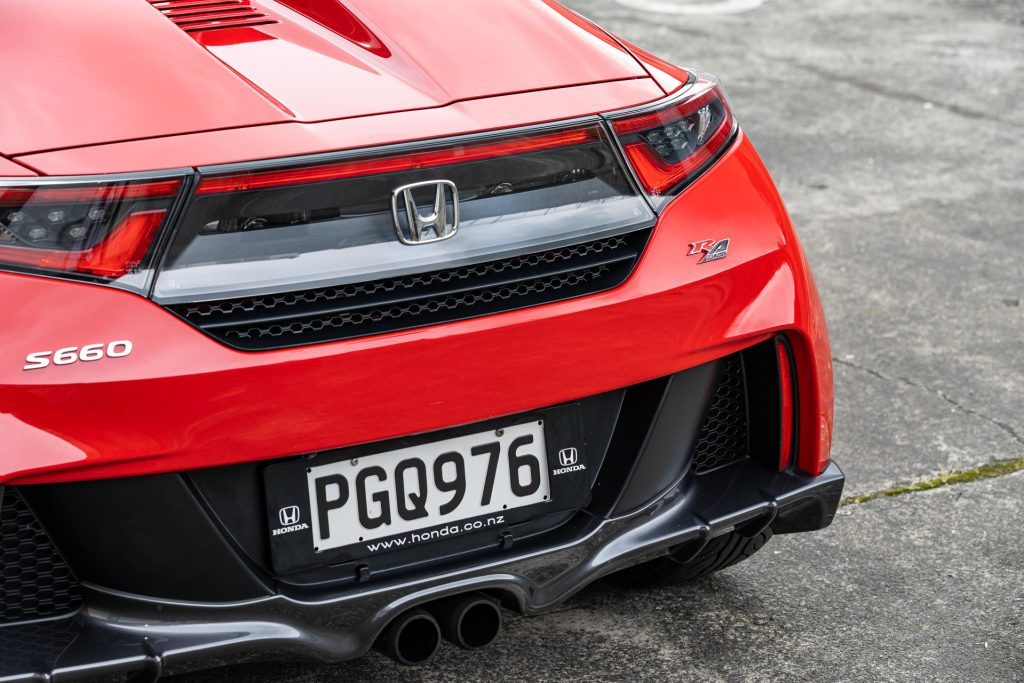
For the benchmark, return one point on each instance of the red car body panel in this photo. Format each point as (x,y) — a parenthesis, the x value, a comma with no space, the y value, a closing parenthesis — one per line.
(290,139)
(672,314)
(70,92)
(11,169)
(152,78)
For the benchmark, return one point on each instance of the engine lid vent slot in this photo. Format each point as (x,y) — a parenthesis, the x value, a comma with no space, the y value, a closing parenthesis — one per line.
(209,15)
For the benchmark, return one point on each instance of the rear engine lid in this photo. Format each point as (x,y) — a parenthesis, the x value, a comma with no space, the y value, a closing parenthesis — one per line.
(88,73)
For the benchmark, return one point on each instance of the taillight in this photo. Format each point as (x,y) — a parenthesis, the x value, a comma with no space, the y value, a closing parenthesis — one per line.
(340,218)
(100,230)
(670,146)
(412,161)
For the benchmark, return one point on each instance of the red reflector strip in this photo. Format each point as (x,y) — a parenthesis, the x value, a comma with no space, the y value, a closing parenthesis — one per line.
(94,193)
(115,256)
(256,180)
(786,406)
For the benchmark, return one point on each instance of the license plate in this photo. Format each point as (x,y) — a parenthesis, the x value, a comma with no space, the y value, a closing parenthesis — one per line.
(461,490)
(403,492)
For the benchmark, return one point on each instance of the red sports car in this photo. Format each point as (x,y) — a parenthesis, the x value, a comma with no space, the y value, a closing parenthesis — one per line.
(334,323)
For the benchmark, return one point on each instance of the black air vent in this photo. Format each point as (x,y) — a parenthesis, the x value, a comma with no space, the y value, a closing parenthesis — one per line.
(25,646)
(209,15)
(724,437)
(35,583)
(316,315)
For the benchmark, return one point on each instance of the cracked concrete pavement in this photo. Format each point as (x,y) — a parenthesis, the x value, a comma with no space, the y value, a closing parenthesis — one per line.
(893,130)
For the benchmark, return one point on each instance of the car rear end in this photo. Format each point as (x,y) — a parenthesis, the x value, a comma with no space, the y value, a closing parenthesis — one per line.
(270,407)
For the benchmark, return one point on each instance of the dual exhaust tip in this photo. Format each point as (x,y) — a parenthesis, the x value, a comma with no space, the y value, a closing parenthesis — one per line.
(471,621)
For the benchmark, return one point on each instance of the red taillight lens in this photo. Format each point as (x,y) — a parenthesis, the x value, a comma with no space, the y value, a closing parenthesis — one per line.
(255,180)
(98,229)
(671,146)
(787,404)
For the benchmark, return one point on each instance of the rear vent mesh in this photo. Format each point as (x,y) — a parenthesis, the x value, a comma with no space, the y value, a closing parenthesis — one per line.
(25,646)
(35,583)
(723,437)
(209,15)
(316,315)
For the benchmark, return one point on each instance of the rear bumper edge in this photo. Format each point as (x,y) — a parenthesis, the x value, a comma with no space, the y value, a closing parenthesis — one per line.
(123,634)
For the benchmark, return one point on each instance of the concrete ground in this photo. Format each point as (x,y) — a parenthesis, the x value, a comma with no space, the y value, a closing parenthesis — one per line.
(893,129)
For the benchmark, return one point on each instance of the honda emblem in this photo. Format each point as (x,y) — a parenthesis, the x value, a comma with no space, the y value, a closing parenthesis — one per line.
(567,457)
(441,222)
(289,515)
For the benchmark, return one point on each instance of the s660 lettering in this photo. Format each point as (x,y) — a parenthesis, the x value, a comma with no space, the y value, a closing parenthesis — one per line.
(74,354)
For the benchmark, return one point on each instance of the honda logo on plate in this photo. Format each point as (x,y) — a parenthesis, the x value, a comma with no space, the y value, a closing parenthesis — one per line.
(423,226)
(567,457)
(289,515)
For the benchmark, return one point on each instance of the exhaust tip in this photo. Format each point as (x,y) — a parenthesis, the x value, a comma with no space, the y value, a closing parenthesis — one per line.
(412,638)
(481,624)
(470,621)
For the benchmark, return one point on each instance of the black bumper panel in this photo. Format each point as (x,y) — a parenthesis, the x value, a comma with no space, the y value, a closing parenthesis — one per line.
(121,634)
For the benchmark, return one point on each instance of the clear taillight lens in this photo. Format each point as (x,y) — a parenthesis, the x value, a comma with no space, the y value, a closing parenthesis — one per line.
(670,146)
(102,230)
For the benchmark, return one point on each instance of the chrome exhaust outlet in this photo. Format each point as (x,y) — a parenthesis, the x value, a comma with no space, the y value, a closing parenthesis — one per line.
(471,621)
(412,638)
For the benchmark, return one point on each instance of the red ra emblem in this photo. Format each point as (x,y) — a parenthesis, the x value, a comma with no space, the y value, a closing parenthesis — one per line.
(703,245)
(712,250)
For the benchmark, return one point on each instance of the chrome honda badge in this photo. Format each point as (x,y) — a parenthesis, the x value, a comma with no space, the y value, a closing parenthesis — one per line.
(439,223)
(289,515)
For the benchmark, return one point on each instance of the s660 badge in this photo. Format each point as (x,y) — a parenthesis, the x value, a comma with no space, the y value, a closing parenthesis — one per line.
(74,354)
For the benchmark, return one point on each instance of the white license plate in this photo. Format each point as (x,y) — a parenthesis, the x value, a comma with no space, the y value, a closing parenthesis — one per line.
(443,484)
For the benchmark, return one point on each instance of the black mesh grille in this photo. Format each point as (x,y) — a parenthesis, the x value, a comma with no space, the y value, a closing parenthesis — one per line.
(35,583)
(723,436)
(34,646)
(331,313)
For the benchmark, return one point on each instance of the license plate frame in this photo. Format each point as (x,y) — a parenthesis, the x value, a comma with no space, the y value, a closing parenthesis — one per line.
(288,499)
